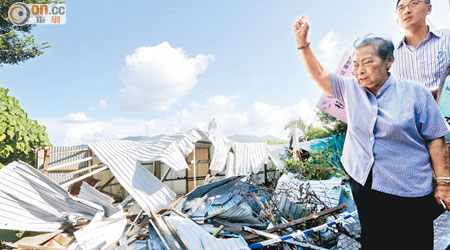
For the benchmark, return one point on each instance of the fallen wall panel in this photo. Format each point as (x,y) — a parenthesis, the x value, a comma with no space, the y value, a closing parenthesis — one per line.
(31,201)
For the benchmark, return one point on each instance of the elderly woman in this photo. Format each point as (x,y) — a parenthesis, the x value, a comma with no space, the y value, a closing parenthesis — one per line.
(395,139)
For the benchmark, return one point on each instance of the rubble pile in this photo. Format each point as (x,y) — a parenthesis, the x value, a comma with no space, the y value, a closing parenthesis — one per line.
(231,213)
(186,191)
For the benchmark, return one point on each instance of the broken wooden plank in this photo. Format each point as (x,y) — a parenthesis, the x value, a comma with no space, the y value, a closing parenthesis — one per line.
(54,244)
(35,247)
(106,183)
(272,218)
(71,174)
(163,231)
(217,232)
(299,221)
(172,208)
(46,158)
(172,205)
(179,213)
(64,240)
(37,239)
(263,209)
(66,184)
(260,233)
(215,214)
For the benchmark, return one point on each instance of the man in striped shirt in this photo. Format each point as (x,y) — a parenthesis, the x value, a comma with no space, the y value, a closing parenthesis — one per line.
(423,55)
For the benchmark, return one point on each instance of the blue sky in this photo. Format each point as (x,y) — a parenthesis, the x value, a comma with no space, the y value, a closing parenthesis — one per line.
(119,69)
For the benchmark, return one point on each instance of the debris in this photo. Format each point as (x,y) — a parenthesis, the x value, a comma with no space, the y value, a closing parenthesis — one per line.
(30,201)
(194,237)
(218,230)
(37,239)
(342,218)
(301,220)
(347,243)
(123,196)
(101,232)
(145,188)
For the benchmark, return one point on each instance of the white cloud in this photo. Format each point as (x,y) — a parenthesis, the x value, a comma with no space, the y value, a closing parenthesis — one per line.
(79,117)
(330,50)
(260,119)
(63,133)
(222,107)
(84,133)
(157,77)
(103,103)
(270,119)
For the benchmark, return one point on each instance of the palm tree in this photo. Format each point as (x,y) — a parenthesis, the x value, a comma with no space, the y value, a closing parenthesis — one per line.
(301,125)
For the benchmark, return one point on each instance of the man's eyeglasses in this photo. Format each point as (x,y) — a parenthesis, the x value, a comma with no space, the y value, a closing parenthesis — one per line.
(410,5)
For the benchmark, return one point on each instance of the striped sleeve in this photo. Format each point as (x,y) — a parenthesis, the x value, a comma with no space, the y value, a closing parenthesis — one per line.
(432,123)
(338,87)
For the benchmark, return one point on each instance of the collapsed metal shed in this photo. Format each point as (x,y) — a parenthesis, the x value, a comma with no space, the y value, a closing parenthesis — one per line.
(181,161)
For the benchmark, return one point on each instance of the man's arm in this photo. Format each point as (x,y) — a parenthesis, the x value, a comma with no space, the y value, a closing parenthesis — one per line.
(434,92)
(440,160)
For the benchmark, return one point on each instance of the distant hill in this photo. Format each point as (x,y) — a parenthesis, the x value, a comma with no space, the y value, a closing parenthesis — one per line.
(142,138)
(254,138)
(236,138)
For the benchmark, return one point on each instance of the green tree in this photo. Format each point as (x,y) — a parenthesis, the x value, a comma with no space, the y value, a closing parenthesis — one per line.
(301,125)
(331,123)
(20,136)
(318,133)
(308,132)
(17,44)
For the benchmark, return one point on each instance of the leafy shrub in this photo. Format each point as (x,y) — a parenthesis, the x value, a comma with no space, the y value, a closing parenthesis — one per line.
(319,166)
(20,136)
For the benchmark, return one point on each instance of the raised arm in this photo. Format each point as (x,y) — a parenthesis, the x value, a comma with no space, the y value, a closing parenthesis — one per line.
(312,65)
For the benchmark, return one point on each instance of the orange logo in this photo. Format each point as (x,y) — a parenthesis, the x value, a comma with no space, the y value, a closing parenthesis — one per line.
(19,13)
(23,14)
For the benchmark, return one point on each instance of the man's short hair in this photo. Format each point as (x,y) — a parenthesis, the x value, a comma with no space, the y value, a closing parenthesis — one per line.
(426,1)
(383,47)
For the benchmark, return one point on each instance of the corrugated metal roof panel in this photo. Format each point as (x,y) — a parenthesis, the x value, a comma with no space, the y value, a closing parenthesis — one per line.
(199,191)
(241,213)
(291,208)
(101,232)
(62,155)
(248,158)
(214,209)
(31,201)
(195,237)
(89,193)
(169,149)
(222,147)
(122,159)
(275,151)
